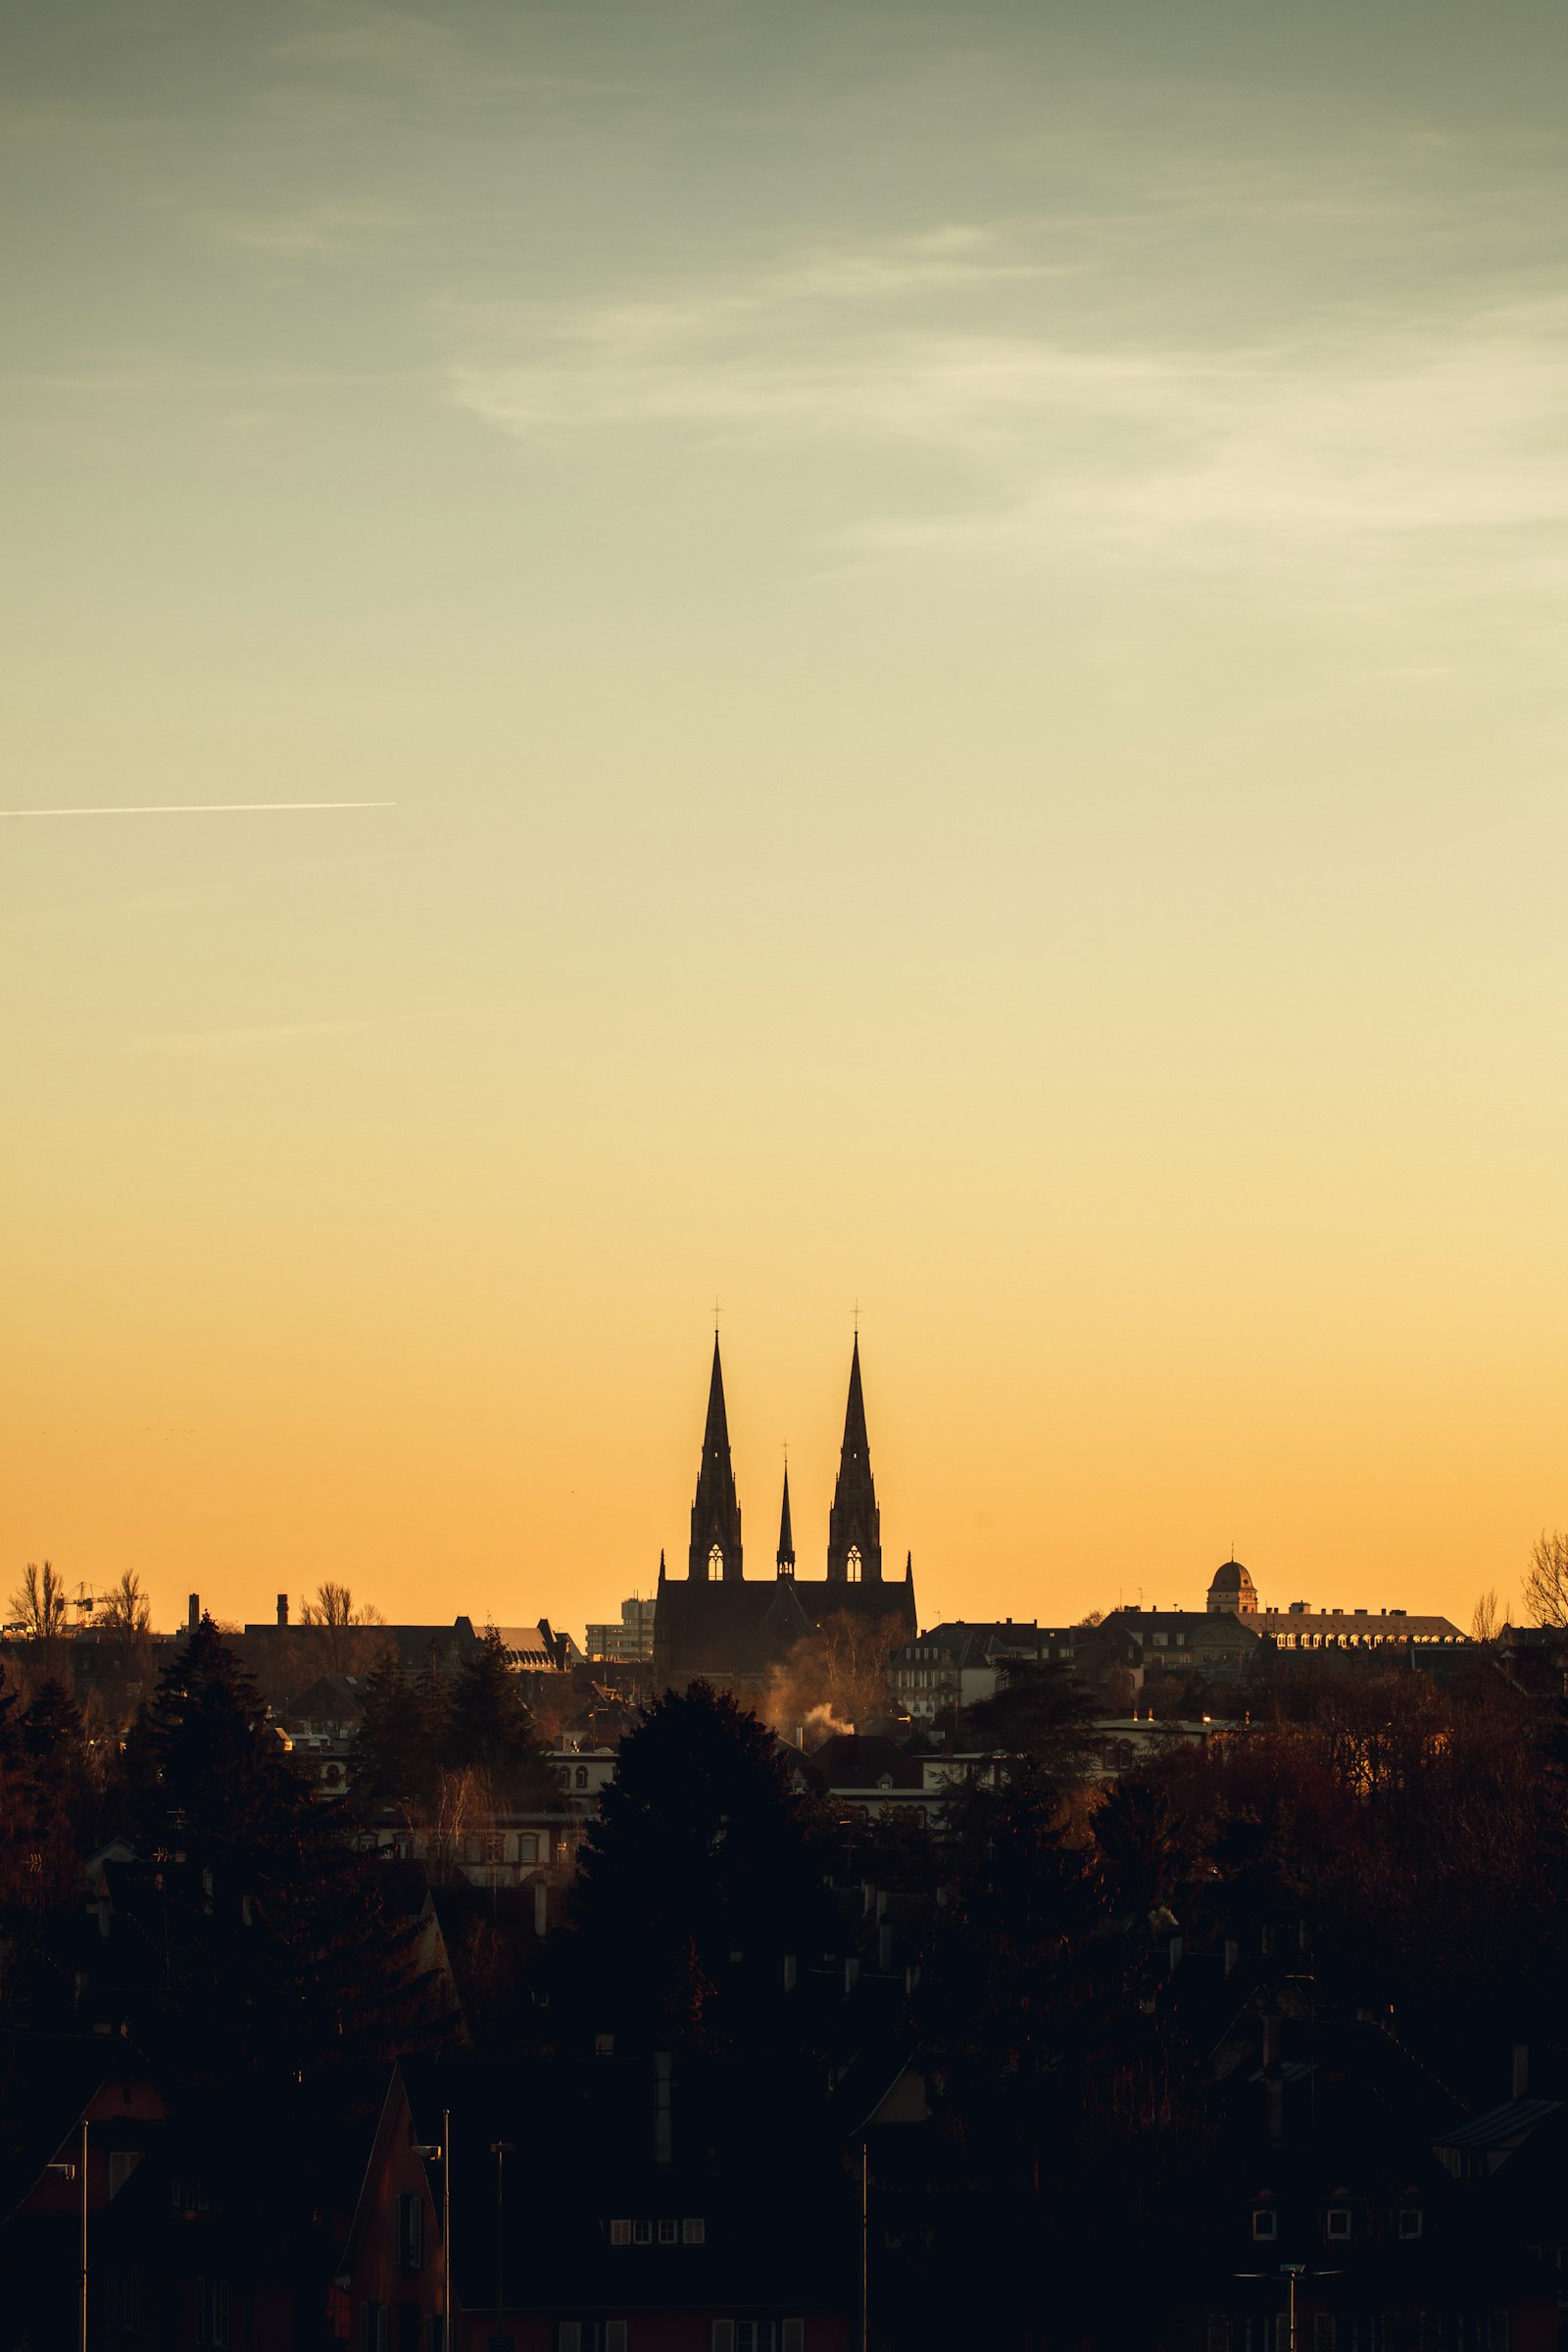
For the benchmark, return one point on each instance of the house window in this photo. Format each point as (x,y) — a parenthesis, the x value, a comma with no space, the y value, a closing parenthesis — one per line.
(668,2234)
(212,2313)
(1265,2221)
(1324,2332)
(621,2233)
(641,2233)
(1410,2220)
(372,2328)
(614,2335)
(528,1846)
(495,1848)
(1219,2332)
(583,1776)
(1338,2221)
(411,2234)
(692,2234)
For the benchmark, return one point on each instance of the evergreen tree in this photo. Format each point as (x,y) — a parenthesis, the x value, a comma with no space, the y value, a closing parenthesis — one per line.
(52,1722)
(284,1949)
(489,1729)
(1040,1710)
(210,1776)
(402,1734)
(10,1722)
(698,1877)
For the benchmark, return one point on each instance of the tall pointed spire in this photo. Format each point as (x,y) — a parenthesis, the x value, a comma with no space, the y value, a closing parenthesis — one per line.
(854,1523)
(715,1512)
(786,1538)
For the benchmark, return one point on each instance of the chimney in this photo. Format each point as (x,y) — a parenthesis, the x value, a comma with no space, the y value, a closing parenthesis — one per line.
(283,1611)
(193,1613)
(1521,2070)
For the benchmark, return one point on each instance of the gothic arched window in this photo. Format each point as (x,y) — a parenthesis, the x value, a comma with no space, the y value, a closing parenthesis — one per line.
(851,1565)
(716,1560)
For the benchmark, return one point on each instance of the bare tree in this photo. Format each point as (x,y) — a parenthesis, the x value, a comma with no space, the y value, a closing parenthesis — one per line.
(840,1668)
(347,1647)
(1545,1587)
(126,1611)
(1486,1616)
(38,1603)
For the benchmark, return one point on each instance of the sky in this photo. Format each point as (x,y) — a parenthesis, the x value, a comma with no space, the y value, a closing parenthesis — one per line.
(962,609)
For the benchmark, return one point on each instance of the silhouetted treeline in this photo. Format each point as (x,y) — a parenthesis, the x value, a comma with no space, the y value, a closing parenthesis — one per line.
(1375,1844)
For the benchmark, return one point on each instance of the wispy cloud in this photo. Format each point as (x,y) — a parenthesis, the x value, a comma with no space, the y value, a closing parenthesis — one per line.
(1343,430)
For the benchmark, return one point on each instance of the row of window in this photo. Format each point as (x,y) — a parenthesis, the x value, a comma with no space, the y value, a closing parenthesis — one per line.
(1338,2222)
(503,1845)
(728,2336)
(1363,2331)
(690,2233)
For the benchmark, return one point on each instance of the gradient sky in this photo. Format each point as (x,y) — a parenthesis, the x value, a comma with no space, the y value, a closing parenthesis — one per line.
(965,611)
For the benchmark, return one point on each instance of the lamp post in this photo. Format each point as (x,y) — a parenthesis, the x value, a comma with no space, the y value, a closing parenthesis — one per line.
(1292,2271)
(79,2172)
(440,2152)
(501,2149)
(866,2248)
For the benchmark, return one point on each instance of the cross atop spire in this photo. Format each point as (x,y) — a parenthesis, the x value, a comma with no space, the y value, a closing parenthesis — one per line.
(715,1512)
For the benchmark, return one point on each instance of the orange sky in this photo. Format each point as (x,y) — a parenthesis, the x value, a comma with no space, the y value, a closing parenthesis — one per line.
(962,612)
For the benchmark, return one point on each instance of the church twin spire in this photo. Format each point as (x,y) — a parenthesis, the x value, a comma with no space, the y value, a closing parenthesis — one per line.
(716,1545)
(855,1523)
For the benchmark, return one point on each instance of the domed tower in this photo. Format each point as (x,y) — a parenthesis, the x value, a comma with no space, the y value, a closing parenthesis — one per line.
(1233,1592)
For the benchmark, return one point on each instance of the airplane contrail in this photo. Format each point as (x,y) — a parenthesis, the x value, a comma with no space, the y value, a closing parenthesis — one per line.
(202,808)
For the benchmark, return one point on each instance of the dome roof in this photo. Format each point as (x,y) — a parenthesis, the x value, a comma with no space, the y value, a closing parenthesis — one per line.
(1232,1577)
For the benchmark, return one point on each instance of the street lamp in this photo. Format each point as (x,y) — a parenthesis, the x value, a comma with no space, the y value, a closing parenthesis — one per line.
(75,2172)
(440,2152)
(501,2149)
(1291,2270)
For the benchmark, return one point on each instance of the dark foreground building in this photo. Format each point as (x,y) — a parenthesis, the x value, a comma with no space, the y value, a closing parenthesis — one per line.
(714,1626)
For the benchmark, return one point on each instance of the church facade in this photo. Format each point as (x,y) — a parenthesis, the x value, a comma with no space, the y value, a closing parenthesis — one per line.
(716,1624)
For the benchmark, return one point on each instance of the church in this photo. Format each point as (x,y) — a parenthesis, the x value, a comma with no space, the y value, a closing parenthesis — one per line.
(714,1625)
